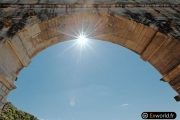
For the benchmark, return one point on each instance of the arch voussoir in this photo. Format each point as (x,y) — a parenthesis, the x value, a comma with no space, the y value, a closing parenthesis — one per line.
(159,49)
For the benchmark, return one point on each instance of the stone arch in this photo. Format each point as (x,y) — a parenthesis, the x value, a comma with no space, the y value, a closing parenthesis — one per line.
(160,50)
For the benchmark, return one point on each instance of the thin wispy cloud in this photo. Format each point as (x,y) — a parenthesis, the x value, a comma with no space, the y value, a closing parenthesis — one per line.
(124,104)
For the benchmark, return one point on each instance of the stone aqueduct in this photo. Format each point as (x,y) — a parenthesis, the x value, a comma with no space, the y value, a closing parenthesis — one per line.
(148,28)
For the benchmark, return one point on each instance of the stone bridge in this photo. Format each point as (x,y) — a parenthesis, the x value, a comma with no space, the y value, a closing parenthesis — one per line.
(150,28)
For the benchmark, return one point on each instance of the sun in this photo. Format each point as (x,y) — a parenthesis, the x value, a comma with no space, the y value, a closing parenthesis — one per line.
(82,39)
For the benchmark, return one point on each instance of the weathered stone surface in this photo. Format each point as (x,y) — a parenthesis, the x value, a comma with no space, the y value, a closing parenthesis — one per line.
(148,28)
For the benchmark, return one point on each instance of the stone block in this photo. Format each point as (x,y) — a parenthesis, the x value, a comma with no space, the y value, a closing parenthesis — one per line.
(4,88)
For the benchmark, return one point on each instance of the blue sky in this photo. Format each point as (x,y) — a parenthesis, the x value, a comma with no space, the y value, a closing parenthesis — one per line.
(102,81)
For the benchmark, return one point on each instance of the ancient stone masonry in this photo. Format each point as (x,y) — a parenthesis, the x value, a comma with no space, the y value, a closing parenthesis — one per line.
(150,28)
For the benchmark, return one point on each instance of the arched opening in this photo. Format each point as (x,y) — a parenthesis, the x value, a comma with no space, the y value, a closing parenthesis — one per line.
(111,83)
(160,50)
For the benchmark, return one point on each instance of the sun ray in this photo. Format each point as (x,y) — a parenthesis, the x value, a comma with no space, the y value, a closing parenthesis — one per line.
(100,35)
(85,48)
(94,27)
(81,25)
(64,33)
(94,51)
(76,25)
(72,18)
(73,30)
(94,30)
(98,22)
(58,54)
(87,30)
(63,52)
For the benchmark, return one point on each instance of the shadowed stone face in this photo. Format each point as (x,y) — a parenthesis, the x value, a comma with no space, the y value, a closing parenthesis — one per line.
(88,1)
(161,15)
(148,28)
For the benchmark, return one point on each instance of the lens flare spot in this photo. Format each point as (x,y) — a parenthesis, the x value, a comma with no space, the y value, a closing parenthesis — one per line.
(72,103)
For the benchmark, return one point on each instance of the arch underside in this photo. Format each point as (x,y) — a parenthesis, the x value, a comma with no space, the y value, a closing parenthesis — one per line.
(159,49)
